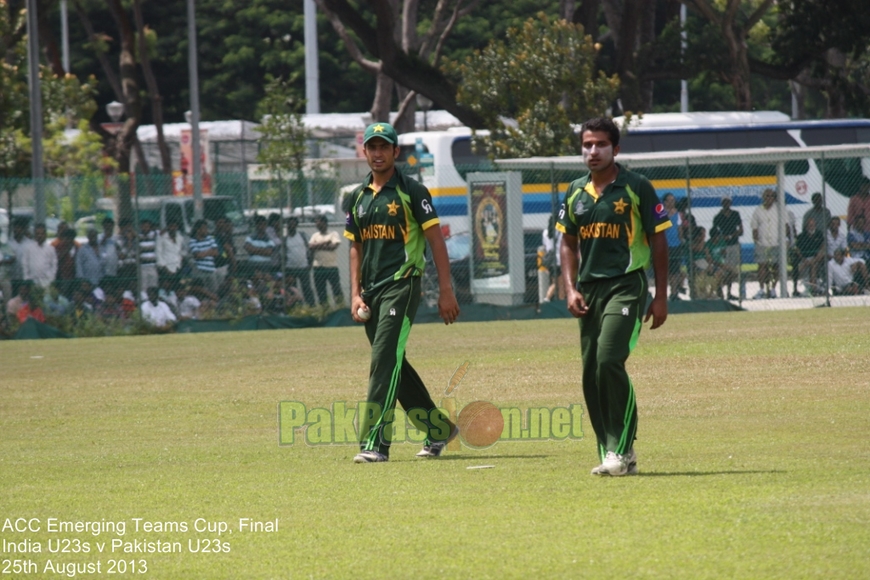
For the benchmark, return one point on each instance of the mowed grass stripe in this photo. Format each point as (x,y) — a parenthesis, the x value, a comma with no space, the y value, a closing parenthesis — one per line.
(751,442)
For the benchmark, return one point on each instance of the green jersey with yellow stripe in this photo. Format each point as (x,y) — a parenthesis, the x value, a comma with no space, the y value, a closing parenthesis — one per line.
(389,224)
(613,229)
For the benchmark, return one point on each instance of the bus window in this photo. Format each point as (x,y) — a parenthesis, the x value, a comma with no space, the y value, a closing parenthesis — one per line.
(682,141)
(464,154)
(829,136)
(733,140)
(770,138)
(633,143)
(408,151)
(467,159)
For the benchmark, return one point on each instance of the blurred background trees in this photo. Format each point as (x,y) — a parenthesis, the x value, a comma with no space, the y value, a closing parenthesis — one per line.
(377,54)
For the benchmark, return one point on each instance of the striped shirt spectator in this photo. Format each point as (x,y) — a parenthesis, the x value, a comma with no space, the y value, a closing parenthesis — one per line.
(260,247)
(147,244)
(197,247)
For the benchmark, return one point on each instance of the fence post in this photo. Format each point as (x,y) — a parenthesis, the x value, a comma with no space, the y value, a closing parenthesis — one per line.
(825,205)
(784,224)
(690,265)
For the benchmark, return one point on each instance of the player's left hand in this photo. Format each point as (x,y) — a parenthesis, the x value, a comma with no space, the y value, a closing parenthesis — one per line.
(448,307)
(658,310)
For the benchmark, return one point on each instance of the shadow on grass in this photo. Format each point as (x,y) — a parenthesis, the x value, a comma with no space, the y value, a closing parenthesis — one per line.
(705,473)
(481,457)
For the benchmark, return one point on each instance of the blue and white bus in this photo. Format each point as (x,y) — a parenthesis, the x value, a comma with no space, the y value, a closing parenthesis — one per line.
(447,156)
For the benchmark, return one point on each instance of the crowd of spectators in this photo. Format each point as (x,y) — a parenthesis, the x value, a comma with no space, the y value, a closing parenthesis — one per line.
(122,275)
(823,256)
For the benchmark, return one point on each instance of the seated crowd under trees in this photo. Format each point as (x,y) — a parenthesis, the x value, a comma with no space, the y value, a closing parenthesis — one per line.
(128,281)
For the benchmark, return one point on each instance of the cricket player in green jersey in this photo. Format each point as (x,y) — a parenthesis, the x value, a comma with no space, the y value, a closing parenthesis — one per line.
(618,221)
(389,220)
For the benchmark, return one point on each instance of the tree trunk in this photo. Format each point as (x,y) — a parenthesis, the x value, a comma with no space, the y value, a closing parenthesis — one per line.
(647,39)
(587,15)
(626,51)
(48,41)
(153,89)
(405,122)
(383,98)
(126,139)
(739,75)
(406,69)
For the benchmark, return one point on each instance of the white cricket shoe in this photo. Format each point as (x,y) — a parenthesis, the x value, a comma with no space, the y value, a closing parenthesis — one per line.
(614,465)
(370,457)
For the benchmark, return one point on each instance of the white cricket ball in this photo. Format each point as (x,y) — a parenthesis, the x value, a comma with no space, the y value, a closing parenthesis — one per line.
(363,313)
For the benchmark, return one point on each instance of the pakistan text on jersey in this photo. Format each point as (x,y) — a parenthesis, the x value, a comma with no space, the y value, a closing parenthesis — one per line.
(600,230)
(378,232)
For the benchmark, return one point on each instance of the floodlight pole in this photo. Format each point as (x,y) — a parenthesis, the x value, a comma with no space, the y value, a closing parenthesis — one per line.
(684,43)
(37,169)
(192,66)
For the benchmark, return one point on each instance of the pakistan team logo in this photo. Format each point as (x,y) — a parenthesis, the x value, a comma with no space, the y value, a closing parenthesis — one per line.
(619,206)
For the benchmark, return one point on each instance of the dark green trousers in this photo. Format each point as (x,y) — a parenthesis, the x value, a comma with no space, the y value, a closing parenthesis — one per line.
(391,376)
(608,333)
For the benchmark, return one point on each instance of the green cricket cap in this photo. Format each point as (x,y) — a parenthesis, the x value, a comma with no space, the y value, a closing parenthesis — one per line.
(383,130)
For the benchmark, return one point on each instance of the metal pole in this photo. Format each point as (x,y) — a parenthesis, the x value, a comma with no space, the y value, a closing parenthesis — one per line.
(825,205)
(690,265)
(194,110)
(312,75)
(64,35)
(783,224)
(37,169)
(684,43)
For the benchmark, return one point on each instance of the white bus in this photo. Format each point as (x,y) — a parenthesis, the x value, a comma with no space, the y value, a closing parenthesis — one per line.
(667,135)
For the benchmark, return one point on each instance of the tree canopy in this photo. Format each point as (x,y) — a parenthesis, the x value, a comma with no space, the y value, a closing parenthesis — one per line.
(533,87)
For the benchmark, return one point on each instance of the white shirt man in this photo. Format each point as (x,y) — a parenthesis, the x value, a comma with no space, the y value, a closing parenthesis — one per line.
(39,260)
(171,249)
(841,270)
(157,312)
(766,221)
(835,242)
(297,251)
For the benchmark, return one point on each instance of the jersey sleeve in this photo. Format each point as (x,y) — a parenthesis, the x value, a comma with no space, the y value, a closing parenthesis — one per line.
(421,206)
(566,222)
(351,228)
(654,216)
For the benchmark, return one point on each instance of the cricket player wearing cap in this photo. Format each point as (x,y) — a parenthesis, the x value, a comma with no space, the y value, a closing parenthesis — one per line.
(619,223)
(390,218)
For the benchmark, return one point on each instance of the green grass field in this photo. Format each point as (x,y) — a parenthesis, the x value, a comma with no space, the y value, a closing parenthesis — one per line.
(753,450)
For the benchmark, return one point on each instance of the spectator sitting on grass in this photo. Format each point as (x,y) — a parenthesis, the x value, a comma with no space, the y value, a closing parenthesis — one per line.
(55,303)
(847,276)
(188,304)
(835,238)
(111,308)
(157,312)
(167,292)
(81,308)
(859,239)
(25,304)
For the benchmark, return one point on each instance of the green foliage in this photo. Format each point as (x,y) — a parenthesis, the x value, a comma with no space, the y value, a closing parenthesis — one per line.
(543,77)
(66,102)
(284,133)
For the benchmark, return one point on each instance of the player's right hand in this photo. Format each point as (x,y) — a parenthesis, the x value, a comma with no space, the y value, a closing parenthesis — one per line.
(355,304)
(576,303)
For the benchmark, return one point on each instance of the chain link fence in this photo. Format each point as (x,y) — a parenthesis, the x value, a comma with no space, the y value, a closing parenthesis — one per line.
(785,224)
